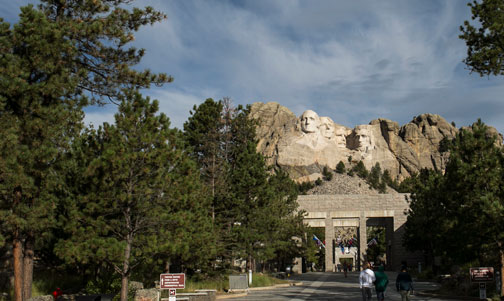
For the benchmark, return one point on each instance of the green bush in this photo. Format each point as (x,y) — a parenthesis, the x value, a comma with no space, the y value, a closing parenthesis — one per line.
(360,170)
(340,168)
(304,187)
(327,174)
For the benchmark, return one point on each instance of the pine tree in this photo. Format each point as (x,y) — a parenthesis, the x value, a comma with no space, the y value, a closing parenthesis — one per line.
(374,176)
(460,206)
(361,170)
(327,174)
(428,221)
(252,203)
(474,192)
(58,58)
(204,133)
(388,180)
(483,37)
(142,193)
(340,168)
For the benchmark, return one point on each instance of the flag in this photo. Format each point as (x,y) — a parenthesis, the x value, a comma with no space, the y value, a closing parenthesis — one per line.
(318,241)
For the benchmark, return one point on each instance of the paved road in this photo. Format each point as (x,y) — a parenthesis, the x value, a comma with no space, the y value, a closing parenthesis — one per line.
(332,286)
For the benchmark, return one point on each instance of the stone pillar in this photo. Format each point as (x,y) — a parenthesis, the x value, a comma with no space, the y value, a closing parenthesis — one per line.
(389,236)
(329,236)
(362,237)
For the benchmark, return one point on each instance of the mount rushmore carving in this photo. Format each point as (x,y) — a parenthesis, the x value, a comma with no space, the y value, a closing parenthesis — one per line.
(304,145)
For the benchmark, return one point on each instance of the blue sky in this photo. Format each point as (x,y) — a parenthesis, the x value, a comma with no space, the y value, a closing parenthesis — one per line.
(353,61)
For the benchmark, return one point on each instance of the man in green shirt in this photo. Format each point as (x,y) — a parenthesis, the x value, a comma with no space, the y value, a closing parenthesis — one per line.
(381,283)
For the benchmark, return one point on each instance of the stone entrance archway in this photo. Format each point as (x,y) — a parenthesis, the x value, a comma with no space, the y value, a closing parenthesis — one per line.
(360,211)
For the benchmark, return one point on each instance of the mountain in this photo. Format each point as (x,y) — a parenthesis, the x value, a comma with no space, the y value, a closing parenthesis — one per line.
(303,145)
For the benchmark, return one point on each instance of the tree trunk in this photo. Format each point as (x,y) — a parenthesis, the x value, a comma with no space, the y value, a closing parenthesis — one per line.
(17,252)
(28,266)
(125,271)
(502,273)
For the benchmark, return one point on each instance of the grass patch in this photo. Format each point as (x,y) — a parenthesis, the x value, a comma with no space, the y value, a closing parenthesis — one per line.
(221,284)
(260,280)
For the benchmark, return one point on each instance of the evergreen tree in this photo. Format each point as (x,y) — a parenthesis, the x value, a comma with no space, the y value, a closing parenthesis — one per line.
(39,116)
(252,204)
(388,180)
(58,58)
(485,52)
(374,176)
(340,168)
(474,193)
(408,185)
(304,187)
(139,193)
(428,222)
(382,186)
(361,170)
(461,206)
(327,174)
(204,132)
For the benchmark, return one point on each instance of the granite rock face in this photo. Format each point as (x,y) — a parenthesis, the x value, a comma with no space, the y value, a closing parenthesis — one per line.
(304,145)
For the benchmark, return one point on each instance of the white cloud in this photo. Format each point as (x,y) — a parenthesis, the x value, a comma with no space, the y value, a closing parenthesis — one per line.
(353,60)
(96,118)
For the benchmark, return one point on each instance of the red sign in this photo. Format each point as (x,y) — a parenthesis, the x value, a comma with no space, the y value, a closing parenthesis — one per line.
(173,292)
(481,274)
(167,281)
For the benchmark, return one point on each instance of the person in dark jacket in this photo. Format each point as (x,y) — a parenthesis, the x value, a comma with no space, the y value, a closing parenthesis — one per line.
(404,284)
(381,283)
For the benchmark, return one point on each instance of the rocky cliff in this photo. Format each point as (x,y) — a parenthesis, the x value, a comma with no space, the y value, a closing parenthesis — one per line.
(304,145)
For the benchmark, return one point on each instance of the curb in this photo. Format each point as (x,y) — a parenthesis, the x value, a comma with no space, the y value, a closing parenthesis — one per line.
(426,294)
(231,295)
(262,288)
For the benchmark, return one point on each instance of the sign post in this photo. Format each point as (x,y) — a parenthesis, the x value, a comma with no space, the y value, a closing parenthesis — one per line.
(482,275)
(172,282)
(482,289)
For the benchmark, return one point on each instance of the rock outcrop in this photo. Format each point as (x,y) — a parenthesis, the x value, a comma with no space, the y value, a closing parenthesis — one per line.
(303,146)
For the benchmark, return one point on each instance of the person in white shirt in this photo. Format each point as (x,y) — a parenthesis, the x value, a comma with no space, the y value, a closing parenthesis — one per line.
(366,279)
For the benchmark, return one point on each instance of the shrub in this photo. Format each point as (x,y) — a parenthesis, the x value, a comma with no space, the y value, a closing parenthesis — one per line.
(361,170)
(340,168)
(327,174)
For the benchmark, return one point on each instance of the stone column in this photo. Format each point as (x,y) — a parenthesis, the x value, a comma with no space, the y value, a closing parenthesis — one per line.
(297,268)
(362,237)
(329,236)
(389,235)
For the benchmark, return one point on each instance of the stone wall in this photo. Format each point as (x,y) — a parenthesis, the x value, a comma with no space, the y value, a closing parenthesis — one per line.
(355,210)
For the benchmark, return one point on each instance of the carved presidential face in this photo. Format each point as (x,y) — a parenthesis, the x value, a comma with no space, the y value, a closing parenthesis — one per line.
(310,122)
(326,127)
(340,136)
(363,136)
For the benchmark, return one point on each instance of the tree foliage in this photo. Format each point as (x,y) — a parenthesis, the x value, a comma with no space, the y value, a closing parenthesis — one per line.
(58,58)
(138,194)
(453,214)
(253,206)
(340,168)
(485,50)
(327,174)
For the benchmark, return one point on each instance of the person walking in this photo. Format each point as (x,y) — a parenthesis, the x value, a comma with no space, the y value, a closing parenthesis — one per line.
(366,280)
(404,284)
(381,283)
(345,268)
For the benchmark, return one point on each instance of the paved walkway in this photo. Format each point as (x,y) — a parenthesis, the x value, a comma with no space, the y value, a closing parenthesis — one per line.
(332,286)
